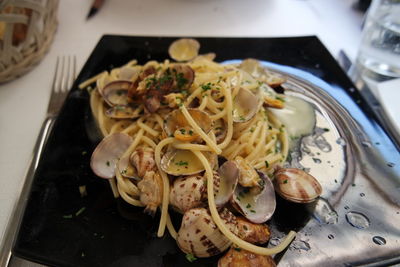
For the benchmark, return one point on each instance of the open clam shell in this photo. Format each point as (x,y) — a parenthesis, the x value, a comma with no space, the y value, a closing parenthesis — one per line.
(116,93)
(177,125)
(121,112)
(228,175)
(246,104)
(179,162)
(107,154)
(126,169)
(257,206)
(296,185)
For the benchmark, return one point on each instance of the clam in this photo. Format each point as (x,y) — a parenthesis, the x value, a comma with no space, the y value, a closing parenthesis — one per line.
(255,69)
(184,49)
(121,112)
(252,232)
(200,236)
(257,206)
(116,93)
(107,154)
(126,169)
(226,179)
(184,76)
(248,176)
(296,185)
(179,162)
(129,73)
(177,125)
(220,130)
(143,160)
(245,105)
(188,192)
(237,257)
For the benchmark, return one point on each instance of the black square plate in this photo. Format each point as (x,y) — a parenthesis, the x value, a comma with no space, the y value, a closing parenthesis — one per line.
(61,228)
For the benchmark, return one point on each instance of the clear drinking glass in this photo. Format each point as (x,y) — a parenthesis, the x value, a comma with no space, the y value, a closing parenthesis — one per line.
(379,52)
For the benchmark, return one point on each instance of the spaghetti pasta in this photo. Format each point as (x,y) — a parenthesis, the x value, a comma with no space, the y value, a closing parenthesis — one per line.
(181,117)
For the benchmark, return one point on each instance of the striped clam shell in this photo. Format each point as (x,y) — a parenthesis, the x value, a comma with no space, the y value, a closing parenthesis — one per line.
(200,236)
(296,185)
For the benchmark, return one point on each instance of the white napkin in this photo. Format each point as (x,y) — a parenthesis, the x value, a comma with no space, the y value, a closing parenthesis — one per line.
(389,94)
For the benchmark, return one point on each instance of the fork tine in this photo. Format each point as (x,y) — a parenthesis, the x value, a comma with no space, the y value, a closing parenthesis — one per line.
(74,68)
(56,74)
(64,74)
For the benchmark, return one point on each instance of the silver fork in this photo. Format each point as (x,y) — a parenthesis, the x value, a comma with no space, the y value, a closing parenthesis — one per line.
(63,78)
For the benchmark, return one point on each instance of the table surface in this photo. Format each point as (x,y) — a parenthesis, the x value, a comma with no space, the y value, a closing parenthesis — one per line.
(23,102)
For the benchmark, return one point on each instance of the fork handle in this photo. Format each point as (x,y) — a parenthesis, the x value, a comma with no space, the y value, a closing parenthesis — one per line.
(47,125)
(6,254)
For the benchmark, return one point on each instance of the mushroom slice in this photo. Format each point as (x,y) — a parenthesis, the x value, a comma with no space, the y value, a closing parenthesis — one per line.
(296,185)
(200,236)
(177,125)
(226,179)
(107,154)
(121,112)
(179,162)
(116,93)
(126,169)
(245,105)
(184,49)
(188,192)
(256,206)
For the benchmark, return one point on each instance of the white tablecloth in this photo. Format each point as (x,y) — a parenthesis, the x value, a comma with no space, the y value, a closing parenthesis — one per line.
(23,102)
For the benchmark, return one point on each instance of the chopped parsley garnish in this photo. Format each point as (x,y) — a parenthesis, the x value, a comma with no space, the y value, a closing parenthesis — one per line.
(80,211)
(206,87)
(183,131)
(252,129)
(69,216)
(266,164)
(248,206)
(253,211)
(181,80)
(182,163)
(285,182)
(326,129)
(280,98)
(241,118)
(190,132)
(190,257)
(108,163)
(237,249)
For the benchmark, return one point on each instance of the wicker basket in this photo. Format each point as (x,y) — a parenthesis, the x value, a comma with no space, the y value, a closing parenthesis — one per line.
(27,28)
